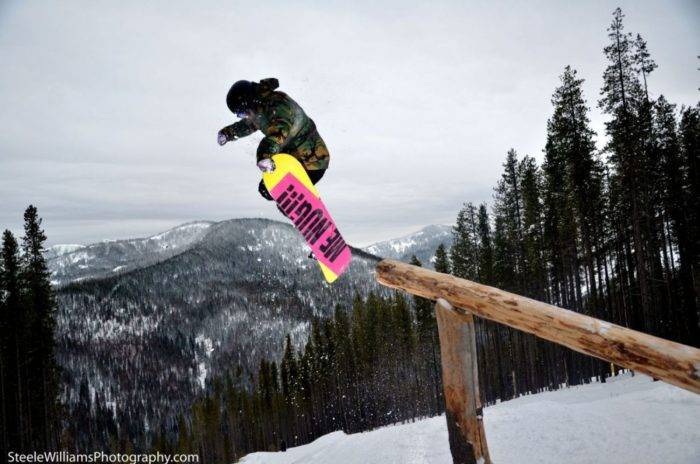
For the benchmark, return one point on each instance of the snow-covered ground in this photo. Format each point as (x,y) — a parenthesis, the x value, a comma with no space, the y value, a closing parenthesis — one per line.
(628,420)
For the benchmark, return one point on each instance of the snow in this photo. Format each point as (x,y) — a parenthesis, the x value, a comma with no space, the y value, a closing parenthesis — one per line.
(58,250)
(202,375)
(69,263)
(401,245)
(206,343)
(627,420)
(188,228)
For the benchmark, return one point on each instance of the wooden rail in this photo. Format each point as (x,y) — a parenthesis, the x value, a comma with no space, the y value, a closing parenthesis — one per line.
(458,298)
(671,362)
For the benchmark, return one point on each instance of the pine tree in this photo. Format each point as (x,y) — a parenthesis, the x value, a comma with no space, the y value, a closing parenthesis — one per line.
(40,307)
(573,198)
(678,160)
(643,61)
(4,359)
(425,319)
(346,373)
(289,371)
(422,306)
(485,239)
(531,185)
(508,238)
(463,254)
(442,262)
(690,145)
(622,97)
(14,385)
(690,149)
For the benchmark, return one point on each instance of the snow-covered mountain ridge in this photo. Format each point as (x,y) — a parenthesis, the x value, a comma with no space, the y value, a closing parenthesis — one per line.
(76,262)
(72,262)
(169,312)
(55,251)
(422,244)
(148,338)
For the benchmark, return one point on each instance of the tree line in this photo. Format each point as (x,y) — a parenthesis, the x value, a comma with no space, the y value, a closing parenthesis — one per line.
(611,234)
(29,384)
(373,364)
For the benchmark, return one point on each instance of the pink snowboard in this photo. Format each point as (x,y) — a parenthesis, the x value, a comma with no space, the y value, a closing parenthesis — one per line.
(311,218)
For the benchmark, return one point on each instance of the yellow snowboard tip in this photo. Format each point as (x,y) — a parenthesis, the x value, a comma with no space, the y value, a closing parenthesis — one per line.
(327,273)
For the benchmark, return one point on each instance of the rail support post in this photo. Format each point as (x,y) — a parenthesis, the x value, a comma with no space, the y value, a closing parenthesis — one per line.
(460,380)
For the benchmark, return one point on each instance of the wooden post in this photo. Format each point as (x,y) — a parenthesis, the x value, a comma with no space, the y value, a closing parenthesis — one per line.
(460,379)
(669,361)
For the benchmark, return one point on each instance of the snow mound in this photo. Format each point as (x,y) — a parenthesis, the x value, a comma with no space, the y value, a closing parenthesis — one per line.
(627,420)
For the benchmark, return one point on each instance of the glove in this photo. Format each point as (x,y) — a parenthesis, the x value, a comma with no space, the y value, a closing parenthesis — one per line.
(266,165)
(221,138)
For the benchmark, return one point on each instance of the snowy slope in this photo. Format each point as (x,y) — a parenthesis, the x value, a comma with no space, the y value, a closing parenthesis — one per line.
(422,244)
(629,420)
(59,250)
(69,263)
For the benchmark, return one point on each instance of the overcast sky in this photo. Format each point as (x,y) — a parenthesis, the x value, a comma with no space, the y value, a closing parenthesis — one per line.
(109,110)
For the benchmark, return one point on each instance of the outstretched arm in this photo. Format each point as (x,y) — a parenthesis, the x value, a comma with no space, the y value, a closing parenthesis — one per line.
(236,131)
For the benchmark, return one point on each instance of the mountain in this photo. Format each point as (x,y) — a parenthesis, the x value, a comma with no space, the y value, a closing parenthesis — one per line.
(422,244)
(69,263)
(145,323)
(146,340)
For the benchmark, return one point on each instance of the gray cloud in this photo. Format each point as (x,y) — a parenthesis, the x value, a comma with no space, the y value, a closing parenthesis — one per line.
(110,109)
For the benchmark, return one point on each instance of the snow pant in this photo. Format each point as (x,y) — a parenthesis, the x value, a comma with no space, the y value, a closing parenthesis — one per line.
(315,175)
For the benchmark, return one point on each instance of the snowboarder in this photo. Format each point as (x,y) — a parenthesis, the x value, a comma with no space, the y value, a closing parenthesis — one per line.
(286,127)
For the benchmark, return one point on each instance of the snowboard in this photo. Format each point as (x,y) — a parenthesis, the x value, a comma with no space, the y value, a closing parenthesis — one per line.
(299,200)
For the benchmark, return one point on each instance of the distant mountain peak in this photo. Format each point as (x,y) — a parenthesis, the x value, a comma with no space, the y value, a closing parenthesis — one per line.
(70,263)
(421,243)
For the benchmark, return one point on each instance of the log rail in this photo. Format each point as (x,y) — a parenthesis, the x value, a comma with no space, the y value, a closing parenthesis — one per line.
(458,299)
(669,361)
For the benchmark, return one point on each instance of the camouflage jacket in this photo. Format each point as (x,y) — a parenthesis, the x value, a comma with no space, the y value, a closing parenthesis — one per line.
(287,129)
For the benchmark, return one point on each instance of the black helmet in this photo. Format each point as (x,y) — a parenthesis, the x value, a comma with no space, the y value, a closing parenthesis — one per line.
(244,95)
(240,97)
